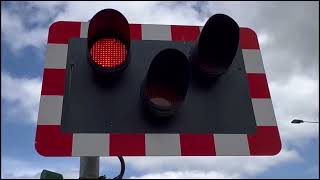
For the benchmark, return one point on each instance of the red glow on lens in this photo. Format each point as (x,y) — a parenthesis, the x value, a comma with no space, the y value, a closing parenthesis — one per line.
(108,52)
(163,95)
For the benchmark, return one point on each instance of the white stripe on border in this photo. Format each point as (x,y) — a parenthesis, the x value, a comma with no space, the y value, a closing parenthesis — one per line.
(50,110)
(84,29)
(56,57)
(163,145)
(231,145)
(85,144)
(263,112)
(156,32)
(253,61)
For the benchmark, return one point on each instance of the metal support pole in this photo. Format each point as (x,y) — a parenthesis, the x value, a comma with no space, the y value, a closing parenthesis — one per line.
(89,167)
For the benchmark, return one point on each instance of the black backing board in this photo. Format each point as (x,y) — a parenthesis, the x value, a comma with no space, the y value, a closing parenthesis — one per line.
(224,108)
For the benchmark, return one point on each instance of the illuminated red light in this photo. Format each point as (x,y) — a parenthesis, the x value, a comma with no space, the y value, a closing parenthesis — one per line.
(108,52)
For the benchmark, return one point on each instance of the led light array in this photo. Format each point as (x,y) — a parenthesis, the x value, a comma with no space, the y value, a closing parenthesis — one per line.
(108,52)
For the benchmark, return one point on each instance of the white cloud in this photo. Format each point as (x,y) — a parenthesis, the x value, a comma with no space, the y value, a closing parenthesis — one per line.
(14,168)
(14,25)
(204,167)
(22,96)
(298,99)
(265,39)
(159,167)
(153,12)
(239,166)
(185,175)
(17,35)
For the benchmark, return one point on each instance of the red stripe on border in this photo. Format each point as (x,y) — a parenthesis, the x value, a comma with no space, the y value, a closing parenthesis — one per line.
(248,39)
(197,145)
(53,82)
(184,33)
(127,145)
(266,141)
(51,141)
(135,31)
(258,85)
(61,31)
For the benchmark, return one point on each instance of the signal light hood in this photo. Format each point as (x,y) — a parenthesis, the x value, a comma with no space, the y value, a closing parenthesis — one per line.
(108,41)
(166,83)
(216,46)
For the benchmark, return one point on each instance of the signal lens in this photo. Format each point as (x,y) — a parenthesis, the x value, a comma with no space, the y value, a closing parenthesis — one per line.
(163,95)
(108,52)
(217,46)
(108,43)
(166,83)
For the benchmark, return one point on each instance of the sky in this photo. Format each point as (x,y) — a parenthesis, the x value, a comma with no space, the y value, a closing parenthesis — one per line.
(288,33)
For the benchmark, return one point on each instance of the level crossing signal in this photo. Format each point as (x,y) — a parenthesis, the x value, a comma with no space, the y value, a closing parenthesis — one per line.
(111,88)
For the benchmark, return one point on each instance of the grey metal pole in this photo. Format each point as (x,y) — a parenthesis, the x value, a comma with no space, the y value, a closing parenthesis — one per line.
(310,121)
(89,167)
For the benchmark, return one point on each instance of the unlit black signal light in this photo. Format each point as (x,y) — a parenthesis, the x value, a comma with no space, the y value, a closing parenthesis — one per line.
(166,84)
(216,46)
(108,41)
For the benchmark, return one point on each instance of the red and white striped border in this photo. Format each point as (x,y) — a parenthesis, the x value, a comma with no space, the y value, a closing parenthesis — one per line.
(51,141)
